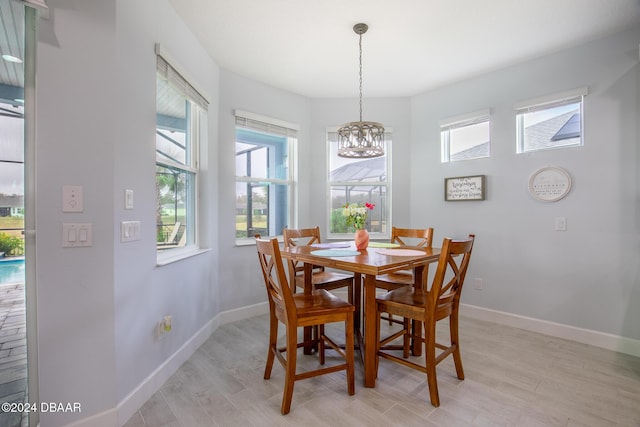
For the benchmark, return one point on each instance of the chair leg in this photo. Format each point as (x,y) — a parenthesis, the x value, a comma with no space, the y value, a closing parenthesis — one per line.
(457,358)
(273,345)
(321,343)
(290,370)
(406,338)
(430,358)
(378,337)
(349,341)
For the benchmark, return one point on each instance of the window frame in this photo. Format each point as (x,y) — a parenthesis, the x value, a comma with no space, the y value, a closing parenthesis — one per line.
(280,128)
(548,102)
(196,124)
(459,122)
(386,234)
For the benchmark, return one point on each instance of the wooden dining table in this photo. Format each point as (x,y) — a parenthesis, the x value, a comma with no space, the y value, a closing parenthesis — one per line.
(368,263)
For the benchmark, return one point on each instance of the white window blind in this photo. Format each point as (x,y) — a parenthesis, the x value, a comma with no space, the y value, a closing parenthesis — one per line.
(38,4)
(551,101)
(465,120)
(178,82)
(266,124)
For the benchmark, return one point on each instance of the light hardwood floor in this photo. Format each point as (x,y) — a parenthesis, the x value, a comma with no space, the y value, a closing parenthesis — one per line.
(513,378)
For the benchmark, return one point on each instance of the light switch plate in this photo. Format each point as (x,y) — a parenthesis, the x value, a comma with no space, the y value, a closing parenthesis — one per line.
(129,231)
(128,199)
(77,235)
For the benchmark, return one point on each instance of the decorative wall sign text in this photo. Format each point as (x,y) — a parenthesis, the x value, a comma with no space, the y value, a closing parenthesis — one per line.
(464,188)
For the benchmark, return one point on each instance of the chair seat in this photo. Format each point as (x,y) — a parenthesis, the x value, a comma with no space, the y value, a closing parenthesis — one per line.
(394,280)
(409,300)
(406,295)
(326,280)
(320,302)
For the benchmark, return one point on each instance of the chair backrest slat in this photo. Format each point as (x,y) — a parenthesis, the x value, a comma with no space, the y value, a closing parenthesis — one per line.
(401,236)
(444,297)
(299,237)
(275,279)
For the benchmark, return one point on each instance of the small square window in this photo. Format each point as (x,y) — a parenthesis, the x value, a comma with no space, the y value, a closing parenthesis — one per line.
(553,122)
(466,137)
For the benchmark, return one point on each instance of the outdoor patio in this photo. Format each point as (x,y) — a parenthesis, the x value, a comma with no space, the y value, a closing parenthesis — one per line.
(13,351)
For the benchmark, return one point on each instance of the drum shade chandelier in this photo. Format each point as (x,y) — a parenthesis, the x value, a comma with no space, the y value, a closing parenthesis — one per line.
(361,139)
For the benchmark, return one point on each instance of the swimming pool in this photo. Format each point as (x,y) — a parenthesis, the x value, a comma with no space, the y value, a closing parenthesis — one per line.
(11,271)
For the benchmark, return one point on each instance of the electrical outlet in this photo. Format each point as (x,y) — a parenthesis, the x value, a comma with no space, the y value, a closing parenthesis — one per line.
(477,284)
(163,326)
(561,223)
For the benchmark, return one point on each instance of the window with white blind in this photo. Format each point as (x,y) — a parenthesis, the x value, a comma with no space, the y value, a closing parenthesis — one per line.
(360,181)
(265,175)
(553,121)
(181,124)
(465,137)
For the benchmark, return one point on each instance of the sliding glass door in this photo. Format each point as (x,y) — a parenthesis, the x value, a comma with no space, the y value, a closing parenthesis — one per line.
(18,375)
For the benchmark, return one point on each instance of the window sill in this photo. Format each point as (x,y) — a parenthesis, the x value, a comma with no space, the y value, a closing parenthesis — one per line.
(171,256)
(252,241)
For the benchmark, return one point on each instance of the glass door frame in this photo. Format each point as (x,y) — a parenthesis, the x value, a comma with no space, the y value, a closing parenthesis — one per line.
(30,35)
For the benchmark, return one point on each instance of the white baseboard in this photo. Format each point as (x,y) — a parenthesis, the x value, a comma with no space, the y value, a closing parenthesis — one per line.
(244,313)
(585,336)
(108,418)
(134,401)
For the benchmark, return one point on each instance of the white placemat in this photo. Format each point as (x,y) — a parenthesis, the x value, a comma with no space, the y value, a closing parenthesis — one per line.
(333,245)
(335,252)
(400,252)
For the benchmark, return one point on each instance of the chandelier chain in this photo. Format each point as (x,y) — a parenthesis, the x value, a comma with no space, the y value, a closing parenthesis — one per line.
(360,47)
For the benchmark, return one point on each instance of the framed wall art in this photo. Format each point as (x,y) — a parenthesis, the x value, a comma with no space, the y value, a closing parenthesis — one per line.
(463,188)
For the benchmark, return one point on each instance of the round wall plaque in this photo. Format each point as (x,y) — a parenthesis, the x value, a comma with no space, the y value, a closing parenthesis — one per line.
(550,184)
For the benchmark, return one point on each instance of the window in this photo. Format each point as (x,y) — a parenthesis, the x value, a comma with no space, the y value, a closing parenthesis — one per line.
(465,137)
(359,181)
(180,126)
(550,122)
(264,175)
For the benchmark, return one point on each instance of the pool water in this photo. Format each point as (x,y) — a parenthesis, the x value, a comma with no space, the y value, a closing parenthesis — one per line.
(11,271)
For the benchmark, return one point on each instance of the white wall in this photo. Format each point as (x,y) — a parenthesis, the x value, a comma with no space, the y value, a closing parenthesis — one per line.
(98,306)
(75,134)
(186,290)
(241,282)
(587,276)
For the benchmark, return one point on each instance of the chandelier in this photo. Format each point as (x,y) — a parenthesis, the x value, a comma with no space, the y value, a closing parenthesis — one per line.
(361,139)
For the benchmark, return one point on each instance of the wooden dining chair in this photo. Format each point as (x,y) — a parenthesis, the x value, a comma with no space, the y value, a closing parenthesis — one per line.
(300,310)
(321,279)
(440,301)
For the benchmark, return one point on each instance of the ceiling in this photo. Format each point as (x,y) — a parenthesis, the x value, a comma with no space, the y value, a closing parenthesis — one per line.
(309,47)
(11,43)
